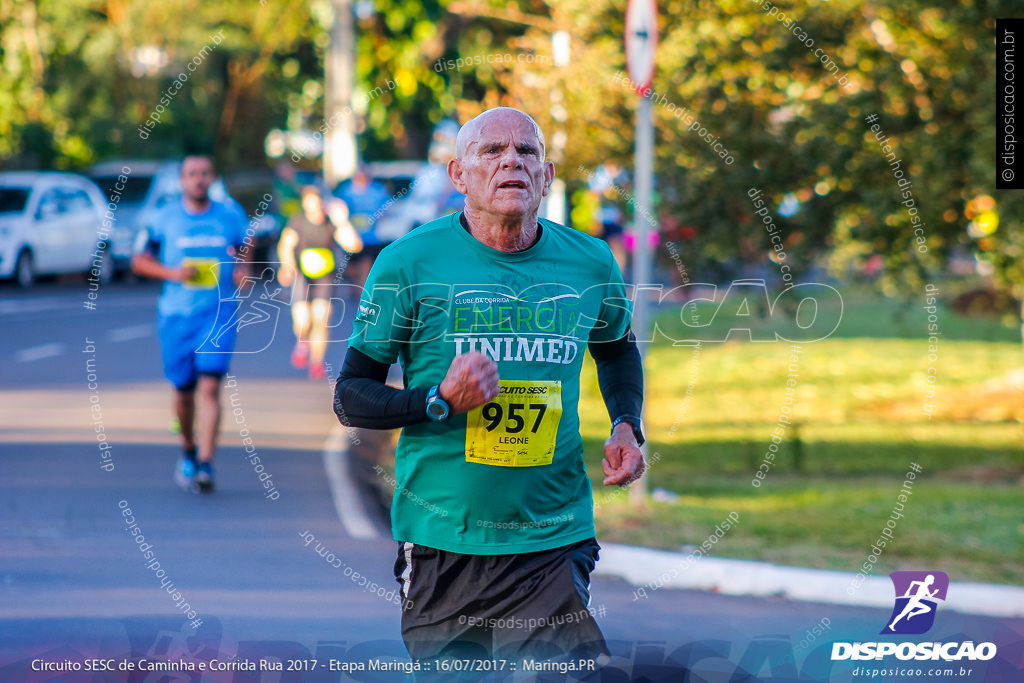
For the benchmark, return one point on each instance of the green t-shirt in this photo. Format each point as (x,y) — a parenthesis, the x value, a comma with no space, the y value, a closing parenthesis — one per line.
(438,292)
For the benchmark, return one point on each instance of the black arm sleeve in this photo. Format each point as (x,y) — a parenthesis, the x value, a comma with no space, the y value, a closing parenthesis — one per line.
(620,374)
(362,399)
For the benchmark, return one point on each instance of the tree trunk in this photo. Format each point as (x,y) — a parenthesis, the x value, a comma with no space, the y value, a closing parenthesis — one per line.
(30,35)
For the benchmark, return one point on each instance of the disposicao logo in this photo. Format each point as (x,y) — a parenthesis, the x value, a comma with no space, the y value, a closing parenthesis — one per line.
(918,595)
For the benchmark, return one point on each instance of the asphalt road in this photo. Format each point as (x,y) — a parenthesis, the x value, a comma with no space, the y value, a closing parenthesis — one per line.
(76,584)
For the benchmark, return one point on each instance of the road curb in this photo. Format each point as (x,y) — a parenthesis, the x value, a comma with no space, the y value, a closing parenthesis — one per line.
(344,491)
(651,570)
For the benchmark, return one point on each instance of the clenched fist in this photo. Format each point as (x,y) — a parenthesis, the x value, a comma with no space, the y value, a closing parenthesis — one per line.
(472,381)
(623,460)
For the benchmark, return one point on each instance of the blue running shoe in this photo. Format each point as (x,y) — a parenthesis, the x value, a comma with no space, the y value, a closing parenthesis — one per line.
(185,472)
(204,477)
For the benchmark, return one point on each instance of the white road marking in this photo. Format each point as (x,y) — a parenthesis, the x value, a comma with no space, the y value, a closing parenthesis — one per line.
(31,305)
(34,353)
(346,497)
(121,334)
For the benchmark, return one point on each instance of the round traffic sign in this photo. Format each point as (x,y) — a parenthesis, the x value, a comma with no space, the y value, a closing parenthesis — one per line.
(641,42)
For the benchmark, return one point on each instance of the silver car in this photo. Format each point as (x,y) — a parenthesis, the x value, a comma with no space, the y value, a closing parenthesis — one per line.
(142,187)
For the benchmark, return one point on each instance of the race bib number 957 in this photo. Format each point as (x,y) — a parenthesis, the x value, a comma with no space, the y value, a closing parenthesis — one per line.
(518,428)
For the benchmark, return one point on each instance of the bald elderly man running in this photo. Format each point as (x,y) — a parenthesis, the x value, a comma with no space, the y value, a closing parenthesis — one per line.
(489,311)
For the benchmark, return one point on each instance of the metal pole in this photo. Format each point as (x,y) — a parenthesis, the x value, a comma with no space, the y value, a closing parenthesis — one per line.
(644,178)
(340,137)
(555,204)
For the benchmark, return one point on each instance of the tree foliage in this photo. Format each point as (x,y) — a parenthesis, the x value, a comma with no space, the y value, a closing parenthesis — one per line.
(797,127)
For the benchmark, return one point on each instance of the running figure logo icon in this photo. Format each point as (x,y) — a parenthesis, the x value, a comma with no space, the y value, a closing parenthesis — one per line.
(917,597)
(255,302)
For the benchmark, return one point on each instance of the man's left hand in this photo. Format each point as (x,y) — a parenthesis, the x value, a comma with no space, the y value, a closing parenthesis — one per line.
(623,462)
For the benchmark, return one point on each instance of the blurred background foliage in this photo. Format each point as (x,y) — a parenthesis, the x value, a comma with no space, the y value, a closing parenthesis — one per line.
(80,76)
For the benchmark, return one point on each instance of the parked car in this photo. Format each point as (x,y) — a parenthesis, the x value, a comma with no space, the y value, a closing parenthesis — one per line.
(152,184)
(48,226)
(253,189)
(131,195)
(420,192)
(428,194)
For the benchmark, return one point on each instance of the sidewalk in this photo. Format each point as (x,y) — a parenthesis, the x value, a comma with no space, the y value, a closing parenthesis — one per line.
(650,570)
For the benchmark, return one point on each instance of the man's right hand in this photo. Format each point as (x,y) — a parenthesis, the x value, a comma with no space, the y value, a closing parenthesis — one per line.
(472,381)
(184,273)
(145,265)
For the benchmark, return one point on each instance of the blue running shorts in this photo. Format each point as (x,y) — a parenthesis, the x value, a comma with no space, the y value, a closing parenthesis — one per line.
(196,344)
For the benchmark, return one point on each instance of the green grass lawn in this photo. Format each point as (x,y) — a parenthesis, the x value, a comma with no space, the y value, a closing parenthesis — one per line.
(859,419)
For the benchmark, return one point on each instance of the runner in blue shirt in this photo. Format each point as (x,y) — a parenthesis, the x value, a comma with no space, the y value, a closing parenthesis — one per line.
(364,197)
(192,245)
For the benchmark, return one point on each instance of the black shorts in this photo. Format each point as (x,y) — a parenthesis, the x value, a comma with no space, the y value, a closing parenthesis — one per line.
(530,605)
(307,289)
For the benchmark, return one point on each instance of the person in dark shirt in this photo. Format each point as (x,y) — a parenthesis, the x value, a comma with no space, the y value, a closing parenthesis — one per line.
(314,250)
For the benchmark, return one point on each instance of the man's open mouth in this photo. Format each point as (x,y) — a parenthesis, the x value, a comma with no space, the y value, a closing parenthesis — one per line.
(513,183)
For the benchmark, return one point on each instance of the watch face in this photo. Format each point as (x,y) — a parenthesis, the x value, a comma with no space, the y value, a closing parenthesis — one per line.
(437,410)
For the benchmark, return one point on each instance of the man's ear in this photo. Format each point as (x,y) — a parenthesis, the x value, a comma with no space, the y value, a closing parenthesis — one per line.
(455,173)
(549,176)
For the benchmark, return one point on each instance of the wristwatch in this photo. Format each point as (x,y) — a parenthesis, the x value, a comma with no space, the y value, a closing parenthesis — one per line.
(634,422)
(437,407)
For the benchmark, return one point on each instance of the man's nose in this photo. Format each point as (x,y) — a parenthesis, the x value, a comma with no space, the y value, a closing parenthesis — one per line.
(511,158)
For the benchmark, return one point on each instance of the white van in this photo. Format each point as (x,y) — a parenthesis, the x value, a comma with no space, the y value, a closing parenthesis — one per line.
(48,226)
